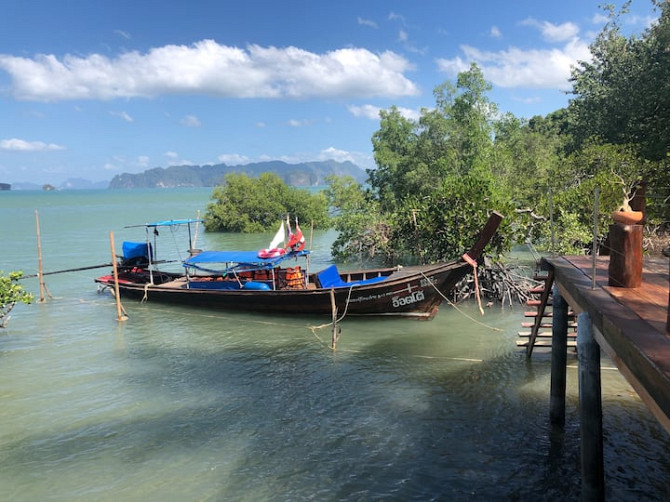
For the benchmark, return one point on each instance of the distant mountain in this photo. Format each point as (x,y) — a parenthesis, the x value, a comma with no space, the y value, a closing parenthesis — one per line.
(26,186)
(82,184)
(303,174)
(69,184)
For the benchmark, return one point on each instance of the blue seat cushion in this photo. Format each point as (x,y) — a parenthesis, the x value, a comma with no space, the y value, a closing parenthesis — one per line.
(329,277)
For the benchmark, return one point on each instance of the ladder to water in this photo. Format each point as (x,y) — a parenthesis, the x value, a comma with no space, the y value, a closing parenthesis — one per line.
(537,333)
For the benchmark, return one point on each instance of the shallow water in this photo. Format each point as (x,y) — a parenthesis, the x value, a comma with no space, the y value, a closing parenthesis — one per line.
(182,404)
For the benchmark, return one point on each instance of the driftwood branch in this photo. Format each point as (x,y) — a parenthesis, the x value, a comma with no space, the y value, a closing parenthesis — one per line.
(532,214)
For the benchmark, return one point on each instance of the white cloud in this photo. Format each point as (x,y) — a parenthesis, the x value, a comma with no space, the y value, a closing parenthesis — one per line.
(365,111)
(367,22)
(362,160)
(514,67)
(207,67)
(299,123)
(261,125)
(233,159)
(122,115)
(599,19)
(143,161)
(495,32)
(402,36)
(20,145)
(372,112)
(190,121)
(396,17)
(174,159)
(553,32)
(123,34)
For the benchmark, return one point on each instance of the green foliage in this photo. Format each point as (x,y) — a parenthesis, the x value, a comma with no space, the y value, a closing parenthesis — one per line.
(362,231)
(623,93)
(444,224)
(11,292)
(438,177)
(248,205)
(431,192)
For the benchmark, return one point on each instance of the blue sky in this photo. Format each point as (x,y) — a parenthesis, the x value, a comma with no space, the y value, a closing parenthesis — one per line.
(93,88)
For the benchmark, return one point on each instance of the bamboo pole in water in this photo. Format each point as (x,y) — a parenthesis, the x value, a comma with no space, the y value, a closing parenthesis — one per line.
(119,308)
(311,235)
(40,272)
(333,343)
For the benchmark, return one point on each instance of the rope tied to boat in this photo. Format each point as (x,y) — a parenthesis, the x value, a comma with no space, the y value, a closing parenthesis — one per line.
(456,307)
(473,263)
(146,293)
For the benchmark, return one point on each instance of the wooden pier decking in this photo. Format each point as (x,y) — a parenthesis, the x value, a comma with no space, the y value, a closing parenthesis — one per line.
(630,323)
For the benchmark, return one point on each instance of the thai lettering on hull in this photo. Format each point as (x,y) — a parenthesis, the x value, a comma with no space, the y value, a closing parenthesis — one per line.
(400,301)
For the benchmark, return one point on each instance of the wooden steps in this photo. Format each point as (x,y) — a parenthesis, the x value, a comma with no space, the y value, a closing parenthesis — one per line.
(541,313)
(544,343)
(544,334)
(545,325)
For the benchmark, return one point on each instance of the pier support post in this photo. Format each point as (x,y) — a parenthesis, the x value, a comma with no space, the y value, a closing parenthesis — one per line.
(590,411)
(559,359)
(666,252)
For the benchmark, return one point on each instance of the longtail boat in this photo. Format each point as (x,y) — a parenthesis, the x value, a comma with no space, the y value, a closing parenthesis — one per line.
(274,281)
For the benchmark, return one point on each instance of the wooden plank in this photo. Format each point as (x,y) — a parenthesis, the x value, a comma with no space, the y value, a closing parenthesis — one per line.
(543,334)
(545,325)
(544,343)
(486,235)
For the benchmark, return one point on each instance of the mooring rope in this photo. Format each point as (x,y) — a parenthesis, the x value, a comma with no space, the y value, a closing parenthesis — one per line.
(346,307)
(459,310)
(473,263)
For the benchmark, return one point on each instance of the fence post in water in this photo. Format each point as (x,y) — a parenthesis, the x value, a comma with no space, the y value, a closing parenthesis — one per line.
(590,411)
(594,257)
(333,305)
(559,359)
(40,271)
(119,308)
(666,252)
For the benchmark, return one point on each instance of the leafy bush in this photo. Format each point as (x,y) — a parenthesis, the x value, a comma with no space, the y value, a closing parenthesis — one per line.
(249,205)
(11,292)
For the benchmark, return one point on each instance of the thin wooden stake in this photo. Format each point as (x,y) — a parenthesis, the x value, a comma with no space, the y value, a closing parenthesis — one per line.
(551,222)
(197,226)
(40,271)
(119,308)
(333,306)
(311,235)
(595,237)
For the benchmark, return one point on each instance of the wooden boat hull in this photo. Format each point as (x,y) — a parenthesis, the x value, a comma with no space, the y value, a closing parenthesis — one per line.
(411,292)
(415,291)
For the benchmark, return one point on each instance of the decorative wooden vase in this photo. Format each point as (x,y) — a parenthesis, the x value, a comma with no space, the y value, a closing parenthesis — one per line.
(627,217)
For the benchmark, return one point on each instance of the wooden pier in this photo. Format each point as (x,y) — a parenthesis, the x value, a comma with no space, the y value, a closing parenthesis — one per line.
(630,325)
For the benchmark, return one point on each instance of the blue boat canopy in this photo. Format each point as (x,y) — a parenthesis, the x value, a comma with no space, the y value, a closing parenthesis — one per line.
(239,257)
(166,223)
(170,223)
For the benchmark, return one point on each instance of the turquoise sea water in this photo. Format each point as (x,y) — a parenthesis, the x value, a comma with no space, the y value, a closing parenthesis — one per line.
(180,404)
